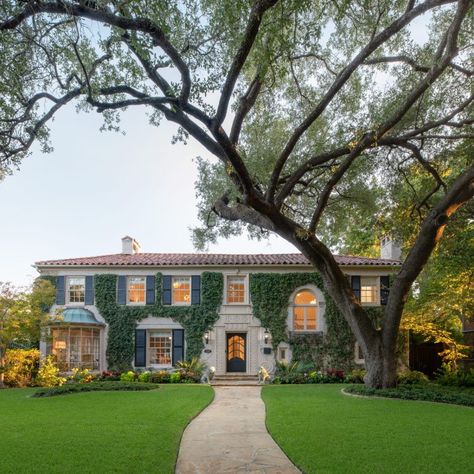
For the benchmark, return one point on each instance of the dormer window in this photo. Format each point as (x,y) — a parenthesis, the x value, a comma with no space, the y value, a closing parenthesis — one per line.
(76,289)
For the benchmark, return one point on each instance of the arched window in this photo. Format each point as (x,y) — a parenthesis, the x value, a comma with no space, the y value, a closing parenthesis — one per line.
(305,311)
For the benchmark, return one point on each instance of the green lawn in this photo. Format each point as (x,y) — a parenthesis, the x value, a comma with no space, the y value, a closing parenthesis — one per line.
(96,432)
(324,431)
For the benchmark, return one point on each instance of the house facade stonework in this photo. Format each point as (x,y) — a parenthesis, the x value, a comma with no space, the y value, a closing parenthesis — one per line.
(150,310)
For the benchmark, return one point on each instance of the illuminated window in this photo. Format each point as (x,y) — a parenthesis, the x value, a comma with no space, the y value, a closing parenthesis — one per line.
(304,311)
(159,347)
(136,290)
(368,290)
(76,289)
(236,289)
(76,347)
(181,290)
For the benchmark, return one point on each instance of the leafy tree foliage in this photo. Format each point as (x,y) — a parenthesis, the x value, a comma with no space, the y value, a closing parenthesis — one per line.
(22,314)
(330,100)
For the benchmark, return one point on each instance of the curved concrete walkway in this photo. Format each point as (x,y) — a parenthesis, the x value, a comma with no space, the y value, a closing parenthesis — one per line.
(230,436)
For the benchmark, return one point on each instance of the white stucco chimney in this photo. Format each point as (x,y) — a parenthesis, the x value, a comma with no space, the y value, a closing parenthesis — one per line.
(389,248)
(130,246)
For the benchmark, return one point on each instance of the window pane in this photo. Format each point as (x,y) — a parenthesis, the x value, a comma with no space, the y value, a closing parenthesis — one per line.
(235,289)
(298,318)
(368,292)
(181,290)
(76,290)
(305,297)
(136,289)
(159,348)
(311,318)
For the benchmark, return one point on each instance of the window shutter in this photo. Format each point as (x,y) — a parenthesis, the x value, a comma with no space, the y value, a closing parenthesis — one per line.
(122,290)
(178,345)
(89,296)
(196,289)
(384,289)
(166,289)
(61,290)
(140,348)
(355,284)
(150,289)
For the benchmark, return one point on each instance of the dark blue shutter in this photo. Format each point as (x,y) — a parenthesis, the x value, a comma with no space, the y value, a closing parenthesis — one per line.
(178,345)
(89,297)
(122,290)
(140,348)
(61,290)
(150,289)
(166,289)
(384,289)
(355,284)
(195,289)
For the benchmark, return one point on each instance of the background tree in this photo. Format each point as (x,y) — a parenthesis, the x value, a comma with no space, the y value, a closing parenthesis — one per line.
(22,315)
(328,98)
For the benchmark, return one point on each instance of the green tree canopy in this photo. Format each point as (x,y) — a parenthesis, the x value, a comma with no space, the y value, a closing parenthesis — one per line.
(309,107)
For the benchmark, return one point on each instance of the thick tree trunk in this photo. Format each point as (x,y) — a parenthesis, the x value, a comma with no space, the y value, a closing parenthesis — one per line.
(381,366)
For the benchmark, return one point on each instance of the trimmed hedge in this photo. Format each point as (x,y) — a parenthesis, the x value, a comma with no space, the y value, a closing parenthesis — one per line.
(428,392)
(94,387)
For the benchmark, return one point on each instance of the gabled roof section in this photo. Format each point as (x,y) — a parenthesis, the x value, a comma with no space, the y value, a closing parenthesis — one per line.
(208,259)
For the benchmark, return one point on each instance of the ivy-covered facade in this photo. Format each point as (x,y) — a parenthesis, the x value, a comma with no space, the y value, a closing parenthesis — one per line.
(235,312)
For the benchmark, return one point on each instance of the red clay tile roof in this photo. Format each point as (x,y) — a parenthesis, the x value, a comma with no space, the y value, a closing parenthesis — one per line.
(208,259)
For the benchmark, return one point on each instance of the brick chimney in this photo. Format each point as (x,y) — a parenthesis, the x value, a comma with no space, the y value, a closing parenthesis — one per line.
(130,246)
(389,248)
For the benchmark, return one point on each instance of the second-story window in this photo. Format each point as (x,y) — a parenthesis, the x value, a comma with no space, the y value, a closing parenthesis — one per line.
(181,287)
(368,290)
(76,289)
(236,289)
(136,290)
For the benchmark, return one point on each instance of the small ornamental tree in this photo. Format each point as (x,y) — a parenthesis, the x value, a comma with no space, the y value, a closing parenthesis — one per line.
(22,315)
(330,98)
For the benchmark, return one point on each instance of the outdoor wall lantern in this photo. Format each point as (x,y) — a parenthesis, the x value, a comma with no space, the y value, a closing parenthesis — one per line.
(266,335)
(206,337)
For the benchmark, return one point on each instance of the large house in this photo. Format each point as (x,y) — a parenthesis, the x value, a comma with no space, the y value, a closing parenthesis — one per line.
(236,312)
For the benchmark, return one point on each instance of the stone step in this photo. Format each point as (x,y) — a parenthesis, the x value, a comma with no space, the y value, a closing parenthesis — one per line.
(234,383)
(235,377)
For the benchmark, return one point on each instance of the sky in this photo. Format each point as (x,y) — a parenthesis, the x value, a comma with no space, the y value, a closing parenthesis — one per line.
(96,187)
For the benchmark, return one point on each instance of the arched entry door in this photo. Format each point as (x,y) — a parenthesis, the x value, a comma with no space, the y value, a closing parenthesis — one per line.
(236,352)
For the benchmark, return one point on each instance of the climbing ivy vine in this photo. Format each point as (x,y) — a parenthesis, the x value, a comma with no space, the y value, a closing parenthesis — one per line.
(270,294)
(122,319)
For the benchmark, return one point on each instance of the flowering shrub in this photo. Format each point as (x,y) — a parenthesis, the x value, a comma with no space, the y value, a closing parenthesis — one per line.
(129,376)
(21,367)
(160,377)
(356,376)
(48,374)
(175,377)
(81,376)
(145,376)
(109,376)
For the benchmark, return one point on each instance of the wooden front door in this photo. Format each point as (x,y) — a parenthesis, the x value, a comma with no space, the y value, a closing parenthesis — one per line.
(236,352)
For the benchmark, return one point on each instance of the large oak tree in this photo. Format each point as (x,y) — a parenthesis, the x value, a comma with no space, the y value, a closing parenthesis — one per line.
(327,98)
